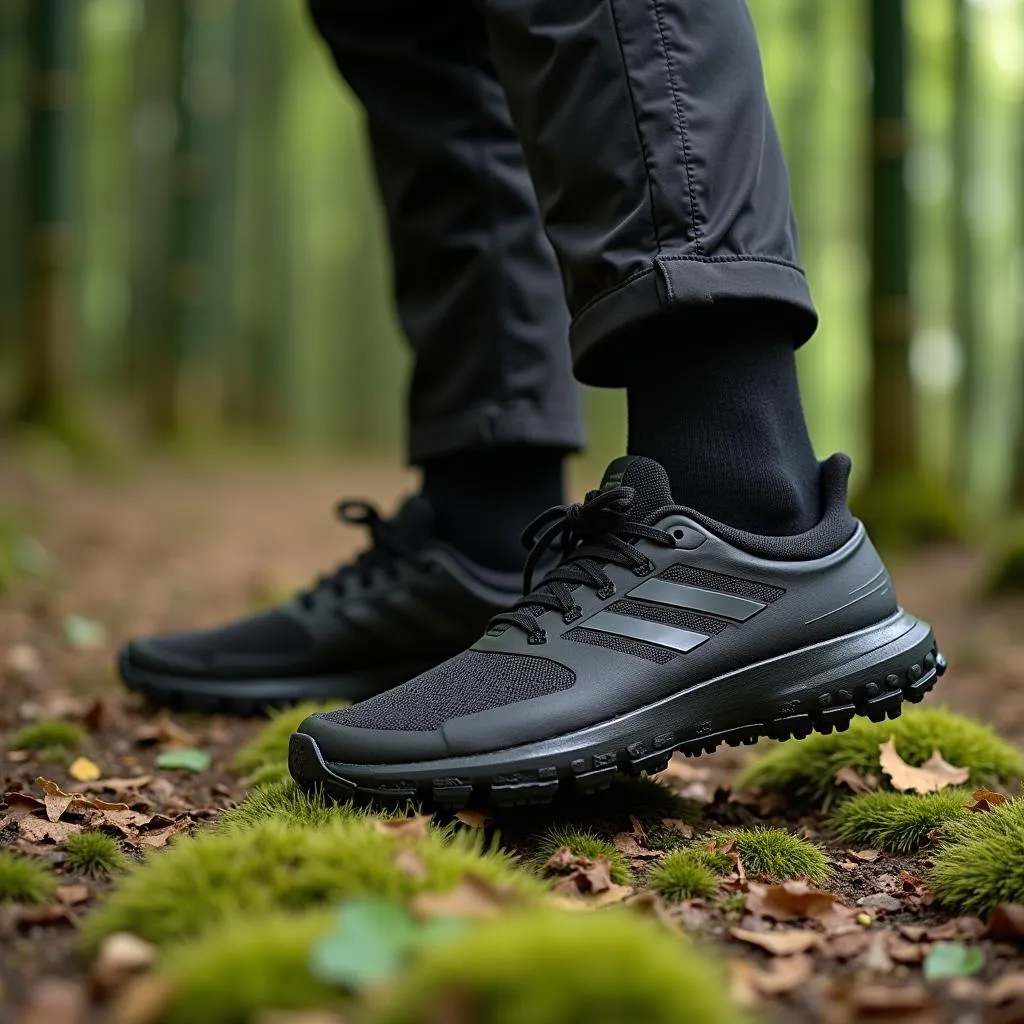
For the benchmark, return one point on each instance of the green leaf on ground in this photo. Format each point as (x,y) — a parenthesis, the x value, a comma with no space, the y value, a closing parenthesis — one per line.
(189,758)
(81,633)
(953,960)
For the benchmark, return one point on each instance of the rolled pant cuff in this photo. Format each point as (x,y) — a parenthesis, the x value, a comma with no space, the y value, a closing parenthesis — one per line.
(601,345)
(493,424)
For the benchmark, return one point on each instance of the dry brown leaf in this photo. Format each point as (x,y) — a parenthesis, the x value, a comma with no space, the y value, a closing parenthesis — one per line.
(913,932)
(129,785)
(415,827)
(55,1001)
(57,801)
(1008,988)
(473,819)
(563,859)
(72,895)
(678,825)
(638,831)
(410,863)
(1006,923)
(781,943)
(144,1000)
(39,830)
(864,856)
(627,845)
(84,770)
(985,800)
(903,951)
(935,774)
(743,990)
(793,901)
(848,945)
(121,956)
(472,898)
(21,916)
(854,781)
(19,805)
(164,732)
(160,837)
(780,977)
(876,957)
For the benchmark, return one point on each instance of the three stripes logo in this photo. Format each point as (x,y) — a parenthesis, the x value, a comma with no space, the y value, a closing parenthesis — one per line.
(678,610)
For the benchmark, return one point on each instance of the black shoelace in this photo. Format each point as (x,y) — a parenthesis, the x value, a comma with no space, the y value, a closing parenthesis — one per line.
(388,547)
(589,535)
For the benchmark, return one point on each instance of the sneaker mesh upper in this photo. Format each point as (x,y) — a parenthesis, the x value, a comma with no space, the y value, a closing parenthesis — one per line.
(471,681)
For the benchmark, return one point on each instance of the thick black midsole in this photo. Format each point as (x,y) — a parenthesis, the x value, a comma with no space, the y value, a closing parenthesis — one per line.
(841,677)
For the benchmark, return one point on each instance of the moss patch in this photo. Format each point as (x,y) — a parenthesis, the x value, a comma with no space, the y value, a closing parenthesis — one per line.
(54,735)
(779,855)
(276,865)
(553,966)
(94,853)
(265,756)
(270,953)
(24,880)
(805,769)
(897,822)
(980,862)
(284,801)
(583,844)
(685,873)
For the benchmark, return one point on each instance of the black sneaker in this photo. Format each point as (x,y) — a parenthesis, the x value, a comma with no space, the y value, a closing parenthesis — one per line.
(400,608)
(660,630)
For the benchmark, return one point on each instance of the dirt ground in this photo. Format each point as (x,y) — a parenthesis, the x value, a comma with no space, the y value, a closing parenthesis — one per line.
(172,546)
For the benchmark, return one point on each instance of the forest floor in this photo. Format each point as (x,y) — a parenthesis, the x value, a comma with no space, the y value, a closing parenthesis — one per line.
(174,546)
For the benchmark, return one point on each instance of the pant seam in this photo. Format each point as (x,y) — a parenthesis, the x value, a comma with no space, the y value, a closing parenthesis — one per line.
(636,125)
(684,141)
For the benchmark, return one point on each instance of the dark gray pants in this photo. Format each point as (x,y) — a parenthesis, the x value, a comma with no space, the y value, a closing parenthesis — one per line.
(608,160)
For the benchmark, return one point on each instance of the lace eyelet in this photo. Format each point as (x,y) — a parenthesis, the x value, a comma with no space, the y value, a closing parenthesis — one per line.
(607,591)
(540,637)
(572,615)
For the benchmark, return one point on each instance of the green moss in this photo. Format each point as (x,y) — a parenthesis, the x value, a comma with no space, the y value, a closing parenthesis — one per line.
(270,953)
(909,510)
(897,822)
(684,874)
(805,769)
(583,844)
(48,736)
(277,865)
(94,853)
(980,860)
(24,880)
(550,967)
(284,801)
(773,853)
(266,754)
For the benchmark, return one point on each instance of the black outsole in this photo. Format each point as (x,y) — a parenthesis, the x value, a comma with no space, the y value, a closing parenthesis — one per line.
(877,699)
(254,698)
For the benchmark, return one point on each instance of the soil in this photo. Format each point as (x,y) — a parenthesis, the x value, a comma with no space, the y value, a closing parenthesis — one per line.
(172,546)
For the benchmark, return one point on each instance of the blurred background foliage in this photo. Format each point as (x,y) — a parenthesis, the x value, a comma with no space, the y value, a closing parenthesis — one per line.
(191,249)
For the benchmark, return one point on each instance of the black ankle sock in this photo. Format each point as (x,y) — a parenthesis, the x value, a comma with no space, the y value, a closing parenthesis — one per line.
(725,420)
(484,498)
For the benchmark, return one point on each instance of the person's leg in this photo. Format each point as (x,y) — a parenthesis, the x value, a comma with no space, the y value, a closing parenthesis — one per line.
(663,187)
(492,404)
(667,625)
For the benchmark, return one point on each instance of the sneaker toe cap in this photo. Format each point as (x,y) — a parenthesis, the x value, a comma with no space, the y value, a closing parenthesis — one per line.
(349,744)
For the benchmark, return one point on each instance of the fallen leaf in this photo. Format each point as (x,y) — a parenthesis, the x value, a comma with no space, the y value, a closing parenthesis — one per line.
(792,901)
(935,774)
(23,661)
(743,991)
(72,895)
(472,818)
(130,785)
(952,960)
(1008,988)
(848,945)
(189,759)
(638,831)
(160,837)
(164,731)
(854,781)
(627,845)
(55,1001)
(83,634)
(678,825)
(40,830)
(144,1000)
(985,800)
(1006,923)
(120,957)
(876,957)
(21,804)
(957,928)
(905,952)
(56,800)
(864,856)
(783,975)
(472,899)
(410,828)
(781,943)
(410,863)
(22,916)
(84,770)
(913,932)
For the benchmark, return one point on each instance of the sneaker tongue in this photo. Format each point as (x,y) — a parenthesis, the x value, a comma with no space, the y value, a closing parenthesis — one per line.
(646,477)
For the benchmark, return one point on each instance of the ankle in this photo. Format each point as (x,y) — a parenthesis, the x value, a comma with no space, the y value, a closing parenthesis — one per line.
(484,498)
